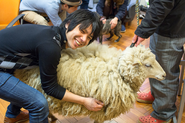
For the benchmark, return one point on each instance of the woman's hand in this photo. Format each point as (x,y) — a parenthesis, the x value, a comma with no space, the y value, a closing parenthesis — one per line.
(93,104)
(114,22)
(90,103)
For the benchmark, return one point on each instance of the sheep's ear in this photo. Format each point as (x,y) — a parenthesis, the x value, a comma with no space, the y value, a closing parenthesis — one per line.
(136,62)
(136,65)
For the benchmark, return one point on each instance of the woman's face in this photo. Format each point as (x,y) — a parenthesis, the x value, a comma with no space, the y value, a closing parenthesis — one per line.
(77,38)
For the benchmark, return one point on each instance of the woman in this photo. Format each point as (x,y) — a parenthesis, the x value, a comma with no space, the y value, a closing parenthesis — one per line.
(30,45)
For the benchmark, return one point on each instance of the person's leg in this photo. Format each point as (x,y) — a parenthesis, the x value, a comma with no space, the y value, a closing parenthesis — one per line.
(12,110)
(91,4)
(123,29)
(168,53)
(34,18)
(22,95)
(107,10)
(84,4)
(22,116)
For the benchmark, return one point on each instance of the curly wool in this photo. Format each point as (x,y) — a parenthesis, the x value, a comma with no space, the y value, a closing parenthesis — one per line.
(97,71)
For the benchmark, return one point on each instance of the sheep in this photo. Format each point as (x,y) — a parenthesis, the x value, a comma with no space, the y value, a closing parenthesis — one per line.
(107,74)
(107,29)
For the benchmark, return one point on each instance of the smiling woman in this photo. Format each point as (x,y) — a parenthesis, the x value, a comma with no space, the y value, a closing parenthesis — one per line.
(41,46)
(84,18)
(78,38)
(82,30)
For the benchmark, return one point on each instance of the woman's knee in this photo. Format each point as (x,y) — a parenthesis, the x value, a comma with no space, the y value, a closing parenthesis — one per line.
(42,104)
(37,103)
(39,111)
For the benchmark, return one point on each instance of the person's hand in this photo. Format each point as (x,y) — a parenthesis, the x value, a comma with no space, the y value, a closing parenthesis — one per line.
(93,104)
(103,19)
(90,103)
(114,22)
(137,39)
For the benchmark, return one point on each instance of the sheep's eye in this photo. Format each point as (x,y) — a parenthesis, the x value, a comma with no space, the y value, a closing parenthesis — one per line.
(148,65)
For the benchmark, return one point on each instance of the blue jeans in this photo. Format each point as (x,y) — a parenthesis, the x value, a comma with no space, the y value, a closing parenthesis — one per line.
(21,95)
(168,53)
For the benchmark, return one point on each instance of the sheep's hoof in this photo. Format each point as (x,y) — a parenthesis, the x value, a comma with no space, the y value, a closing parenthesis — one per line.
(109,38)
(116,40)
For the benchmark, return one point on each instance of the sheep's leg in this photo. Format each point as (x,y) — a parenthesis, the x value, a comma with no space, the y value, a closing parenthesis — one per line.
(118,38)
(119,35)
(52,117)
(100,39)
(111,34)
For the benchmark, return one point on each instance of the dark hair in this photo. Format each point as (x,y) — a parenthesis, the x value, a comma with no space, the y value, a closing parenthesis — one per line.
(85,18)
(64,3)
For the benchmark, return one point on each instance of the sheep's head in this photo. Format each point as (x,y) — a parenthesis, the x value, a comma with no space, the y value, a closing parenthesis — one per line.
(138,63)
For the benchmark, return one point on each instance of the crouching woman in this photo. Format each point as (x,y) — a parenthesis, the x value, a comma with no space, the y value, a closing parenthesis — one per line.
(28,45)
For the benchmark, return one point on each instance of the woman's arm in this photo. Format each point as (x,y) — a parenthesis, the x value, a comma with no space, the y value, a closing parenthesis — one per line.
(90,103)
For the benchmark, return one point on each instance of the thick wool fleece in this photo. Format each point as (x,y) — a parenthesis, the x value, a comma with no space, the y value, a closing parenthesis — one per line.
(97,71)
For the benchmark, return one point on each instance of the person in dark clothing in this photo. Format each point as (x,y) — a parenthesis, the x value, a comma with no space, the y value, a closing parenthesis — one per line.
(115,9)
(27,45)
(84,4)
(164,23)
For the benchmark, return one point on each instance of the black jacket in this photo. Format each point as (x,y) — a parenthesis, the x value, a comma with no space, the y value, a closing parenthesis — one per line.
(38,46)
(165,17)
